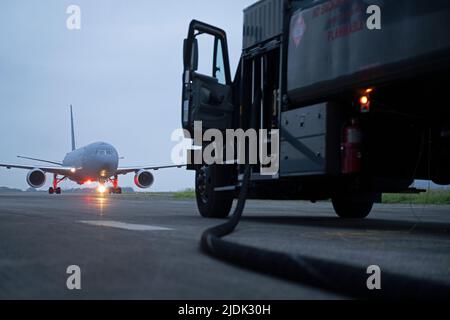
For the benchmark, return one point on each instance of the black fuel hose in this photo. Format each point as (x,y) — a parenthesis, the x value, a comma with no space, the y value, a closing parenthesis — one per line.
(344,279)
(340,278)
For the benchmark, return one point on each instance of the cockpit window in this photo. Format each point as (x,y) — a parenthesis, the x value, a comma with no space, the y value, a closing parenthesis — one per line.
(104,152)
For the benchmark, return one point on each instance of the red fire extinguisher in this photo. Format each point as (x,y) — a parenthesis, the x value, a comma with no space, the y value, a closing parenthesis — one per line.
(351,148)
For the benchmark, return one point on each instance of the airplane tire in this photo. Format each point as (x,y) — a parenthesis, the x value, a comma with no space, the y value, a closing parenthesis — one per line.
(58,191)
(210,203)
(118,191)
(51,191)
(354,206)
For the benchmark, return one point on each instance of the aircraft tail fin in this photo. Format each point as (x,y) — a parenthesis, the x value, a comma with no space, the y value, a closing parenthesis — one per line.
(72,129)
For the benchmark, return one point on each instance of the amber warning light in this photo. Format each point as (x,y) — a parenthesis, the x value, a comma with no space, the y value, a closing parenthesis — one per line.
(364,102)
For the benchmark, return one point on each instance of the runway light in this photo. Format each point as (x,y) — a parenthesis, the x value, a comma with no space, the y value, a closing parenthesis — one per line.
(370,90)
(73,170)
(101,189)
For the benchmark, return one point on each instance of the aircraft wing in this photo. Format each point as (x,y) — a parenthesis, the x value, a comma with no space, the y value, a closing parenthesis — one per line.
(62,171)
(126,170)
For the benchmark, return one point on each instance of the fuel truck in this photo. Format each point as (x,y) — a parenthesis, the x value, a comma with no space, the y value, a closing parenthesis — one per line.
(357,89)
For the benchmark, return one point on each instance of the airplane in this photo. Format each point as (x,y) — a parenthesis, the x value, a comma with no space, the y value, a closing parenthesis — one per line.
(96,162)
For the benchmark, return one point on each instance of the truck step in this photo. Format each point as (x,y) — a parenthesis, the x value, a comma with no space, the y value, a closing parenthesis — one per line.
(227,188)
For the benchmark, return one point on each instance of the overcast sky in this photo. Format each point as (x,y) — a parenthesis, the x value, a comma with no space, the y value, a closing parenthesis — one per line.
(121,71)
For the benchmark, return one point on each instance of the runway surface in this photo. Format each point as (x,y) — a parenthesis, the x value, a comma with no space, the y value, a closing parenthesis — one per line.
(136,247)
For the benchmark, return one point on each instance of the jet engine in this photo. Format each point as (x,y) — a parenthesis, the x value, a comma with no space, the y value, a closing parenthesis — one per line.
(144,179)
(36,178)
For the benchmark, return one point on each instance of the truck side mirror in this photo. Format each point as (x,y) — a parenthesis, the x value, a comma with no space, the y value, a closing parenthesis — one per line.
(190,60)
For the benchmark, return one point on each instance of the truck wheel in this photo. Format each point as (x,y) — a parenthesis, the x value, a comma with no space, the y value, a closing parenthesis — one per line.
(353,207)
(213,204)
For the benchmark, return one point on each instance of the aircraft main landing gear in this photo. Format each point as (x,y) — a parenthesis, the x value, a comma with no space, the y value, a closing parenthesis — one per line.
(55,189)
(115,189)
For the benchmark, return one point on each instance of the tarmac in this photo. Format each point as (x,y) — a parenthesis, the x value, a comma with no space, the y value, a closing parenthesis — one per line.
(147,247)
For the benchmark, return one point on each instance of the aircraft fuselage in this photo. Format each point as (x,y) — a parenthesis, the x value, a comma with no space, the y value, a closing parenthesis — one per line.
(95,162)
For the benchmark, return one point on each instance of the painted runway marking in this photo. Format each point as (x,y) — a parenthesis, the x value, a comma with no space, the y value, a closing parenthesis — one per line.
(125,226)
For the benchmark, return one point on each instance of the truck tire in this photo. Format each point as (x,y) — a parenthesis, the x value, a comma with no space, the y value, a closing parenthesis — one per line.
(354,206)
(213,204)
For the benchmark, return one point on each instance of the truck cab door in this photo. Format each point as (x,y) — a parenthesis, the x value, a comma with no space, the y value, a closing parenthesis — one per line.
(207,93)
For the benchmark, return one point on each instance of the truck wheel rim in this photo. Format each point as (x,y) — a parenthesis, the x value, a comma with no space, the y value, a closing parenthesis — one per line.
(203,181)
